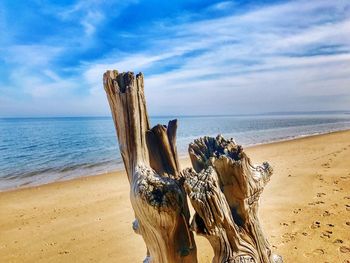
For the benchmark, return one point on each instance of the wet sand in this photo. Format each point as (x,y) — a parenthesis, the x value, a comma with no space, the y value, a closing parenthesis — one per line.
(305,210)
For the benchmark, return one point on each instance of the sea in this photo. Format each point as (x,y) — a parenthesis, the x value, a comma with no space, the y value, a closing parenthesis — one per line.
(35,151)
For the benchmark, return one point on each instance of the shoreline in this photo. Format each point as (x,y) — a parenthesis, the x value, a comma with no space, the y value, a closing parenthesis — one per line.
(304,210)
(182,158)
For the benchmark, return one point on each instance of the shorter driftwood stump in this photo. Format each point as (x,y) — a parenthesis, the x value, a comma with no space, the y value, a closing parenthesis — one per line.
(223,186)
(224,189)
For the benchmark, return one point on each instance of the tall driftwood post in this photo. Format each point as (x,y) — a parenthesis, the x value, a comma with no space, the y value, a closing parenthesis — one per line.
(151,161)
(224,189)
(223,186)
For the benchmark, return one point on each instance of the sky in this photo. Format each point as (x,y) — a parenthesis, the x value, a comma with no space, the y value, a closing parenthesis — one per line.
(198,57)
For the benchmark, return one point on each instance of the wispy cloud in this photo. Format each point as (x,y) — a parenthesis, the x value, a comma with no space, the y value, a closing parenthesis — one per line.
(257,58)
(222,6)
(87,12)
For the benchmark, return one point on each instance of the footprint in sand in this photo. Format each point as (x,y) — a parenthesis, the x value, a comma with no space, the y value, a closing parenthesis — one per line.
(315,225)
(316,203)
(326,234)
(320,177)
(326,165)
(344,249)
(347,223)
(318,251)
(326,213)
(289,237)
(320,194)
(296,211)
(63,252)
(338,241)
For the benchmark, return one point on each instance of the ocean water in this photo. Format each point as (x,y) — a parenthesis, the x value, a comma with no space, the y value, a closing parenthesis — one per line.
(34,151)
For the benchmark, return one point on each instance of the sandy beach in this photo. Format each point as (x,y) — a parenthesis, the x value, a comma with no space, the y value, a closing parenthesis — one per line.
(305,210)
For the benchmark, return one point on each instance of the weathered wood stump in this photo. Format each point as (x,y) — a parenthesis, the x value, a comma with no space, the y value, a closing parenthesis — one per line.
(223,186)
(151,161)
(224,189)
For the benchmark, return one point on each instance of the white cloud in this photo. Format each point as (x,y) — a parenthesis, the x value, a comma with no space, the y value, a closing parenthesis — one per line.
(222,6)
(51,74)
(265,59)
(31,55)
(36,86)
(91,13)
(90,21)
(249,56)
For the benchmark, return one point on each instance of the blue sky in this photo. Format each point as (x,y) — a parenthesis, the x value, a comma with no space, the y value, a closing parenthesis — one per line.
(198,57)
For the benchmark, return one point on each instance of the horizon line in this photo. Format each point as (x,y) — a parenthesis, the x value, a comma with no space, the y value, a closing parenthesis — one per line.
(180,115)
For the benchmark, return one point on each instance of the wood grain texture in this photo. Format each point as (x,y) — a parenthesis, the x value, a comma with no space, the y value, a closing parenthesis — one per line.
(150,158)
(224,187)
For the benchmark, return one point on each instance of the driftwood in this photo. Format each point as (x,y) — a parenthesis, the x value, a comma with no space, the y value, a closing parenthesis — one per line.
(151,161)
(224,189)
(223,186)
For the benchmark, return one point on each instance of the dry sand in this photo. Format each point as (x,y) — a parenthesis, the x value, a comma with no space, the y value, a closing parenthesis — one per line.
(305,211)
